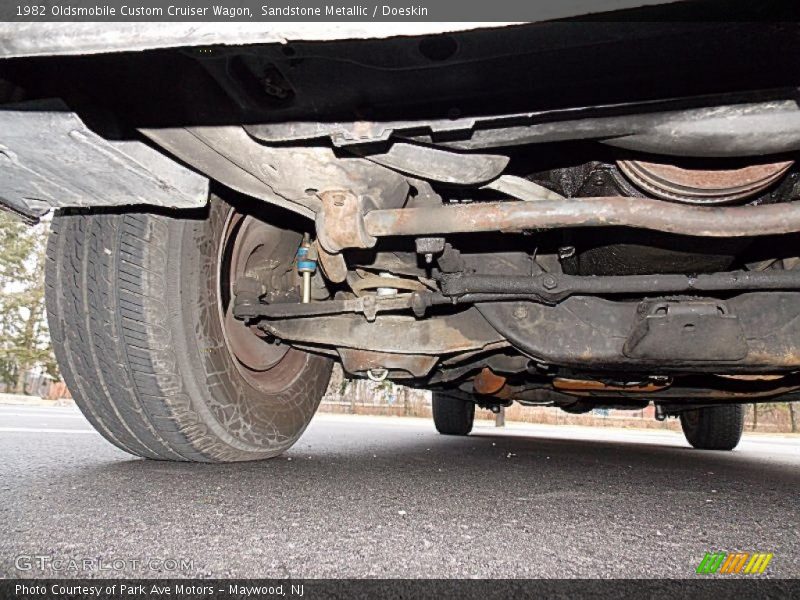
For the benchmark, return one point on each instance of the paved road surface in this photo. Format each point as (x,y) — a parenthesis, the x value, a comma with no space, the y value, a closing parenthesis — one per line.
(388,497)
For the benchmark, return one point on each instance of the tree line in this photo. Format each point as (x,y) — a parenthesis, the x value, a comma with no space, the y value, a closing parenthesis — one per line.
(24,337)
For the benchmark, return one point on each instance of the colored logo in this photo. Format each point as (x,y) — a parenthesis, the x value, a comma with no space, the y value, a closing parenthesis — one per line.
(734,562)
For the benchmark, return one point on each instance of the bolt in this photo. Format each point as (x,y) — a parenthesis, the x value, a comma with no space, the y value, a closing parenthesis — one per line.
(247,285)
(549,282)
(369,308)
(271,88)
(565,252)
(418,305)
(377,374)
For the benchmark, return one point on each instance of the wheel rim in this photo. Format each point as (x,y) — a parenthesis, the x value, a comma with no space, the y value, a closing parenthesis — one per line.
(247,245)
(691,418)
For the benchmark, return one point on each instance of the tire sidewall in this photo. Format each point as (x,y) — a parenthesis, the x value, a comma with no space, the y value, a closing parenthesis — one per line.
(242,421)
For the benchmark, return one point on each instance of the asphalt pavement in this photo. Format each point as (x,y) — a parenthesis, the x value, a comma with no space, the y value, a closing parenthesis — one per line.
(389,497)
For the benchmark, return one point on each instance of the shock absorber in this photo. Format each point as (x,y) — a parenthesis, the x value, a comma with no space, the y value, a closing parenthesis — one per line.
(306,265)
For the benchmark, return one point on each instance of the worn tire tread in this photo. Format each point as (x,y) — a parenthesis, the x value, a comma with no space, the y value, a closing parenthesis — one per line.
(452,414)
(106,282)
(716,427)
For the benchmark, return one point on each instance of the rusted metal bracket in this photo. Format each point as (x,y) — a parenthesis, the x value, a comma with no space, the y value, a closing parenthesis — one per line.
(333,264)
(488,382)
(441,165)
(340,223)
(394,363)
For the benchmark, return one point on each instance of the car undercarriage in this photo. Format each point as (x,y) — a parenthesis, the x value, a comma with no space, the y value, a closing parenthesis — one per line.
(573,214)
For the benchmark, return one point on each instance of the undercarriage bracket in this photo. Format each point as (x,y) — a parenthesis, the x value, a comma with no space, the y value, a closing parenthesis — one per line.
(51,159)
(687,331)
(586,332)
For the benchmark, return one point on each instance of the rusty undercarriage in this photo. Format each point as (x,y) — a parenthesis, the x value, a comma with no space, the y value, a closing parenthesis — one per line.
(493,216)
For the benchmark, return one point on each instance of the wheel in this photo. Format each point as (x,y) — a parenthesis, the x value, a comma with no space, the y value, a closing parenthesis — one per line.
(715,427)
(452,414)
(139,312)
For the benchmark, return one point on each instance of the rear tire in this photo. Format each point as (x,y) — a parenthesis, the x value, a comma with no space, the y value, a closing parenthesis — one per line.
(452,415)
(132,303)
(715,427)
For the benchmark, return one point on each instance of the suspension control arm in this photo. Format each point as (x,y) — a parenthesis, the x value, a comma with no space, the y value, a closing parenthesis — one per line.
(546,288)
(250,307)
(642,213)
(553,288)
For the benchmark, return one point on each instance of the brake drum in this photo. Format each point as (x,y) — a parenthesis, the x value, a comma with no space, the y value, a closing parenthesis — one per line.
(702,186)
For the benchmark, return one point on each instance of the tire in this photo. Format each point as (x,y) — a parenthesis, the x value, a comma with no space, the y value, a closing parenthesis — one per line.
(713,428)
(132,302)
(452,415)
